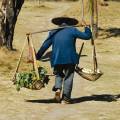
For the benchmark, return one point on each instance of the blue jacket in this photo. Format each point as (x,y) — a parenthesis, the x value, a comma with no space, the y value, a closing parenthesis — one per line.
(63,45)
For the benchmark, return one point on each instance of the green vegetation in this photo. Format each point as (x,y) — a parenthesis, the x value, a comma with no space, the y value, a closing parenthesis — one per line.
(27,79)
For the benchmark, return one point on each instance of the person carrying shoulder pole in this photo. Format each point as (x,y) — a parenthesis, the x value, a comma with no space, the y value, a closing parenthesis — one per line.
(64,56)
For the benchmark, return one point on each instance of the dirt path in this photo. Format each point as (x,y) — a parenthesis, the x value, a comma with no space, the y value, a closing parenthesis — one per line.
(92,100)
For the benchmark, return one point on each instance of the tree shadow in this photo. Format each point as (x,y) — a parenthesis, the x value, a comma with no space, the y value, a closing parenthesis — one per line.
(111,32)
(103,97)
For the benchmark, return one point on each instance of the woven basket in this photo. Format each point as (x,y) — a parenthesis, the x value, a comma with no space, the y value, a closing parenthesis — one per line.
(93,76)
(37,85)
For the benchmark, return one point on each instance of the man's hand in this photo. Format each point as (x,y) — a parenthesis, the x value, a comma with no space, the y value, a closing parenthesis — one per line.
(85,24)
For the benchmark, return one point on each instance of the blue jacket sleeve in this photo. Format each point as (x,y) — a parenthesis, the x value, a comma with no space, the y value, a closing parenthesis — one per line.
(47,43)
(86,35)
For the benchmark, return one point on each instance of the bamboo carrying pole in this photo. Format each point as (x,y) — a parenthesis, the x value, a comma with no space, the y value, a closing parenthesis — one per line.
(56,28)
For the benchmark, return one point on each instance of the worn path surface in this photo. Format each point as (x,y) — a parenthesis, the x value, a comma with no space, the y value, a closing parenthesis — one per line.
(92,100)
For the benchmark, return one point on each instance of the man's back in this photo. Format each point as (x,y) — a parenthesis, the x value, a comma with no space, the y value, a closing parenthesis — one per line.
(63,45)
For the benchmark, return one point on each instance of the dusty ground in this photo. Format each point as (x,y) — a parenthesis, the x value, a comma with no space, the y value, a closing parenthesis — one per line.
(92,100)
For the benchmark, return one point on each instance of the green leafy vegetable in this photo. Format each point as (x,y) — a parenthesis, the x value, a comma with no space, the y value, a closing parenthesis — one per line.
(25,79)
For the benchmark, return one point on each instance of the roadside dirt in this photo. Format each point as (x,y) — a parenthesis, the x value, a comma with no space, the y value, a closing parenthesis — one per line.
(92,100)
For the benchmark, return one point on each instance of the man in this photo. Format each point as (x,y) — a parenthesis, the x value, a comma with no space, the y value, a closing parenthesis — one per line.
(64,56)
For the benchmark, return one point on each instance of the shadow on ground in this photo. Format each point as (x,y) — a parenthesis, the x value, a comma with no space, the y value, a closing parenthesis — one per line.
(51,100)
(103,97)
(110,32)
(113,0)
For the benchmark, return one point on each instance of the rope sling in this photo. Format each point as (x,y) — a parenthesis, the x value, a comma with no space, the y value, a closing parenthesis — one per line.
(38,72)
(91,75)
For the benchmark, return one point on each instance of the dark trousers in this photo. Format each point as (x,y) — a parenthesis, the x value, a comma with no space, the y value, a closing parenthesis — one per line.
(64,77)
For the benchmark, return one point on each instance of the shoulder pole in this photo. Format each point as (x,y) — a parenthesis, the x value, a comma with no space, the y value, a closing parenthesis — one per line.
(57,28)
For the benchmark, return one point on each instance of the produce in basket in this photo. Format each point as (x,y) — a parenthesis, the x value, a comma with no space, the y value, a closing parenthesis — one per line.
(29,79)
(89,74)
(86,70)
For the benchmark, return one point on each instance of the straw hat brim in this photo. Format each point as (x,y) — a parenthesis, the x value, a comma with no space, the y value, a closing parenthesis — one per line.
(67,20)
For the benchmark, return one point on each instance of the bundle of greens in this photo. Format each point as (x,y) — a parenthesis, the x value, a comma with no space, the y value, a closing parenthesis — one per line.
(29,79)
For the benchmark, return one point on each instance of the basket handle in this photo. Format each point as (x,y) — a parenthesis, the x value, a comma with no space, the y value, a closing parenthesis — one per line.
(30,44)
(94,57)
(79,54)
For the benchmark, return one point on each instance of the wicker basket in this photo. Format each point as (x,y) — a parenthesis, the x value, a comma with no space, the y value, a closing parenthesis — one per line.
(93,76)
(37,85)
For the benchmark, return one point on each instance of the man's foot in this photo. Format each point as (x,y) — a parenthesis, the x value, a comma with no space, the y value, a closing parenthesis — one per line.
(57,95)
(66,102)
